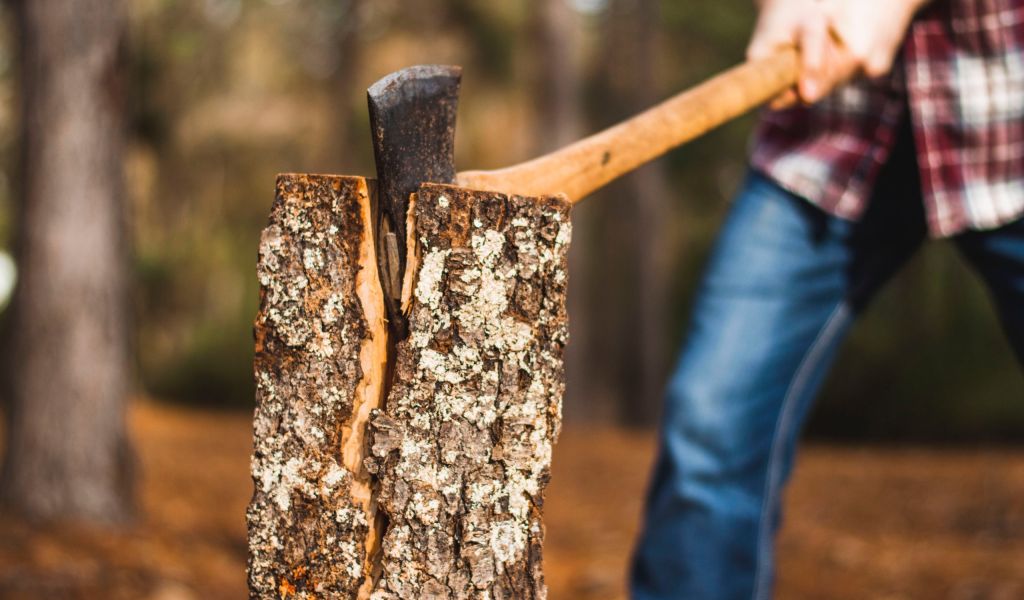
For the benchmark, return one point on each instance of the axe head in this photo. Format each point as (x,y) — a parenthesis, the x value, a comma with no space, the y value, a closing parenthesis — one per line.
(412,121)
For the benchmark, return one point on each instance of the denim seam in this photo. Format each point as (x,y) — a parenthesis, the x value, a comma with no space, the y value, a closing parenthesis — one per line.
(782,424)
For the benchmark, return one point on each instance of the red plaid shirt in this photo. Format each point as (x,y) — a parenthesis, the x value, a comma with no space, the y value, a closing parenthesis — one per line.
(961,72)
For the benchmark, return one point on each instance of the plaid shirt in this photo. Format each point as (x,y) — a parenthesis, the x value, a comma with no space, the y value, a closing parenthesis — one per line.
(961,72)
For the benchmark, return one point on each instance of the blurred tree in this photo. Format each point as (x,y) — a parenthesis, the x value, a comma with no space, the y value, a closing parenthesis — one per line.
(556,77)
(556,81)
(651,192)
(629,56)
(344,80)
(68,453)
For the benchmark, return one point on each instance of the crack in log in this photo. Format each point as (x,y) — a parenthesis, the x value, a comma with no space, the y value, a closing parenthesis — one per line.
(370,394)
(412,257)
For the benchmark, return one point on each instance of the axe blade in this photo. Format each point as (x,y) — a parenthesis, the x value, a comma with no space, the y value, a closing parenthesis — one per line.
(412,122)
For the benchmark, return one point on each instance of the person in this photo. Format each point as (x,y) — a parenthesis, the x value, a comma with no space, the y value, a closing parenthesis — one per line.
(907,123)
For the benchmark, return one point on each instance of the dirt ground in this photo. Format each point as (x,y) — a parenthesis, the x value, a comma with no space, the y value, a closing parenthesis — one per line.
(862,523)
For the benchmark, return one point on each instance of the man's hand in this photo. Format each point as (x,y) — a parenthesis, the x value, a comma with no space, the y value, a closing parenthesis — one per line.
(837,39)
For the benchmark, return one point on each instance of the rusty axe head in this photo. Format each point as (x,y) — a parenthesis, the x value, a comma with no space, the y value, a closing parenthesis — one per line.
(412,121)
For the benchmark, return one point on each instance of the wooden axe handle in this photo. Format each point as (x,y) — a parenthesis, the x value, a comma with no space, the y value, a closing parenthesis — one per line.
(585,166)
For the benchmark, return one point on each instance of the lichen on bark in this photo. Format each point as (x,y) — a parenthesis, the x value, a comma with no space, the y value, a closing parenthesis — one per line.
(463,446)
(319,361)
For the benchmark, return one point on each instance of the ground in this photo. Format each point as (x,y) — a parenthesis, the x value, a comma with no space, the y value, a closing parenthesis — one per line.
(863,523)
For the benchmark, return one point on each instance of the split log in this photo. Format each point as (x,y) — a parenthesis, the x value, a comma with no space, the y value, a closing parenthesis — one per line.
(320,369)
(446,500)
(463,445)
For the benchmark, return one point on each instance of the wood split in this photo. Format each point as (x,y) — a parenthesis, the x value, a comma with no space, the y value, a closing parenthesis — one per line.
(437,492)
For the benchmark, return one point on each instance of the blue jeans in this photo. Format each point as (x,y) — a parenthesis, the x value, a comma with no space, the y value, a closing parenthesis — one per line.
(784,284)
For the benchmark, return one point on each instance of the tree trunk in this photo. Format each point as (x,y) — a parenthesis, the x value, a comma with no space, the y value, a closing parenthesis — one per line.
(556,78)
(344,86)
(438,493)
(556,33)
(629,59)
(651,192)
(69,360)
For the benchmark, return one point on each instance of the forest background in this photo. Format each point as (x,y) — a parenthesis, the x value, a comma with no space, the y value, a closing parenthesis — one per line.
(224,94)
(137,489)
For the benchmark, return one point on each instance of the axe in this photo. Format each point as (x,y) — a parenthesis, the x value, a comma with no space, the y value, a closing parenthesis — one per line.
(412,121)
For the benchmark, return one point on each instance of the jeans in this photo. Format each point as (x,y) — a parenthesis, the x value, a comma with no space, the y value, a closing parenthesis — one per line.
(784,284)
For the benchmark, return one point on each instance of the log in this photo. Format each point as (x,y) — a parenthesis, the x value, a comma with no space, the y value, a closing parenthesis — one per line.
(463,445)
(320,369)
(436,492)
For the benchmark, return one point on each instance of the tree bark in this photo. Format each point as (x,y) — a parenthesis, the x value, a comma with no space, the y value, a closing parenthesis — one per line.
(320,369)
(437,493)
(463,446)
(68,454)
